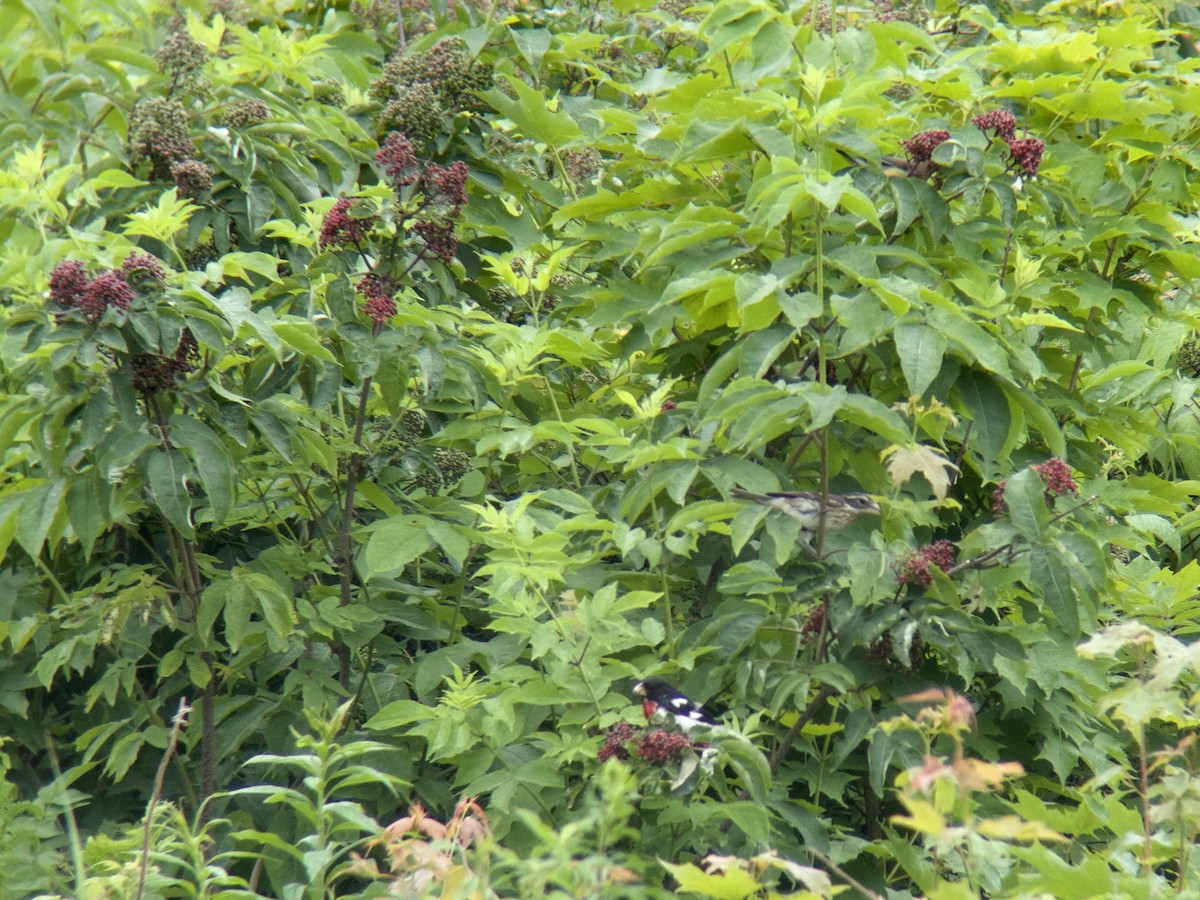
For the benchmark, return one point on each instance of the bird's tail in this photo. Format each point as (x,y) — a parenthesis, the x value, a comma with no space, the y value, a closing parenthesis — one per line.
(739,494)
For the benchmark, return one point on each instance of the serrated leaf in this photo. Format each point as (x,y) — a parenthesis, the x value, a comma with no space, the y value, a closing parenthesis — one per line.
(211,459)
(38,507)
(166,474)
(395,543)
(904,462)
(733,884)
(1025,496)
(921,349)
(1050,576)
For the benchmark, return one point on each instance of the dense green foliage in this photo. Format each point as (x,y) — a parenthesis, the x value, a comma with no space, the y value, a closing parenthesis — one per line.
(373,392)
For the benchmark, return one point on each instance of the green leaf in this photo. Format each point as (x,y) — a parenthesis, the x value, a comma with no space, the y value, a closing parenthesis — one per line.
(211,459)
(1025,496)
(920,349)
(167,474)
(989,414)
(1053,580)
(749,763)
(303,336)
(39,506)
(733,884)
(88,507)
(394,543)
(536,116)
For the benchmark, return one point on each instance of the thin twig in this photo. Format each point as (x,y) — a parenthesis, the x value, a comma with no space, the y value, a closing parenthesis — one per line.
(844,875)
(785,745)
(177,725)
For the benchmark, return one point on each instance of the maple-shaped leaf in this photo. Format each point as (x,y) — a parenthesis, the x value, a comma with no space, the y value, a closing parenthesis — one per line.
(904,462)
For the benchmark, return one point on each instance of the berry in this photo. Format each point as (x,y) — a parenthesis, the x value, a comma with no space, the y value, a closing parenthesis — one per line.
(900,11)
(417,113)
(439,240)
(142,271)
(192,178)
(245,113)
(68,281)
(1057,475)
(915,567)
(181,58)
(102,292)
(453,464)
(342,228)
(920,147)
(152,373)
(1025,155)
(380,309)
(661,746)
(398,159)
(614,742)
(1001,122)
(581,165)
(414,421)
(187,354)
(814,623)
(445,187)
(158,132)
(1188,357)
(198,257)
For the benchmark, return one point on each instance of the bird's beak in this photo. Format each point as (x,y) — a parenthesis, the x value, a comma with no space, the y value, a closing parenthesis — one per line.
(640,689)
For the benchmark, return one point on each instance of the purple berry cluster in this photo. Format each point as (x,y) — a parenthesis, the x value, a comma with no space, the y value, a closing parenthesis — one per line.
(920,146)
(1000,122)
(428,195)
(659,746)
(653,745)
(340,228)
(73,287)
(1024,154)
(378,293)
(915,567)
(1056,475)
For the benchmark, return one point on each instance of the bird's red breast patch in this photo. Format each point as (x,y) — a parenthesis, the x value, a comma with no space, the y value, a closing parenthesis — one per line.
(648,708)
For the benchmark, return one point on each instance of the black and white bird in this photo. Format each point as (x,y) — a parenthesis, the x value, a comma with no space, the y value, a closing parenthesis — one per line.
(809,508)
(659,698)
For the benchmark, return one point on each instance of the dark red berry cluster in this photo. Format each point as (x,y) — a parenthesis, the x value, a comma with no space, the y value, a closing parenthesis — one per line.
(439,239)
(73,287)
(661,746)
(340,228)
(814,623)
(1025,155)
(398,159)
(653,745)
(68,281)
(614,742)
(152,373)
(1001,122)
(915,567)
(445,187)
(141,270)
(920,147)
(102,292)
(378,292)
(1056,475)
